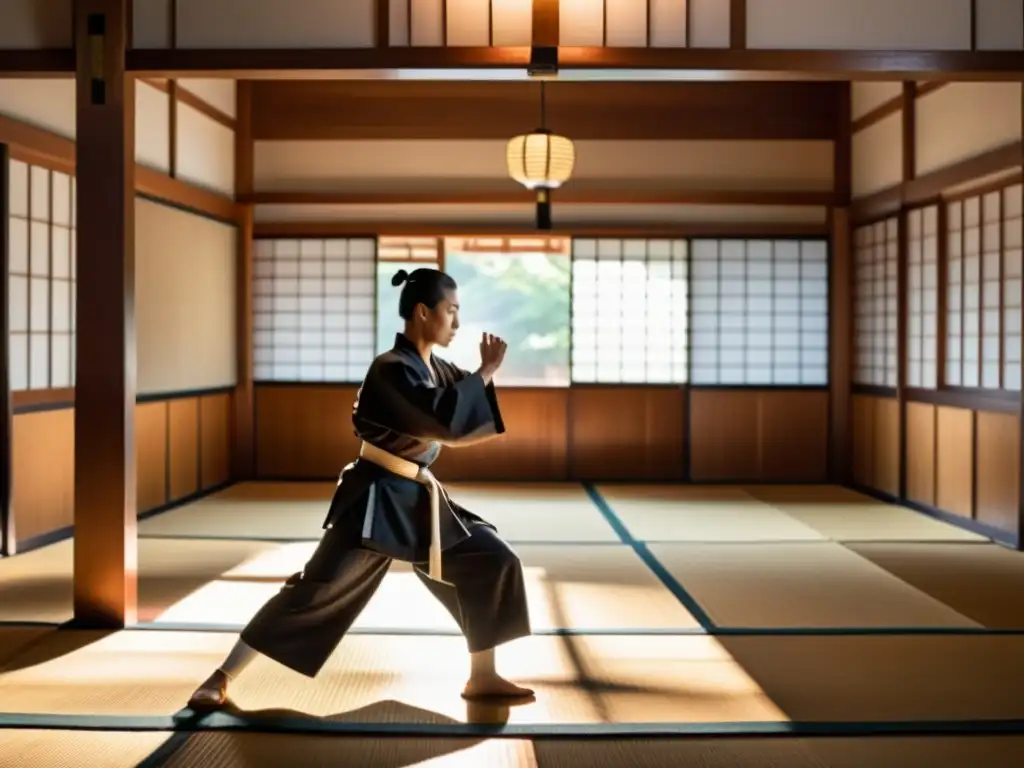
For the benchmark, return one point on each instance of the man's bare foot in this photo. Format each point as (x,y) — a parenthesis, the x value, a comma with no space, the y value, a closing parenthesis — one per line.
(494,686)
(212,694)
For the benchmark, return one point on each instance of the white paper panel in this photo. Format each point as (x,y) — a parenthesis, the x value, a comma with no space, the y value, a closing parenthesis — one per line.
(878,155)
(867,95)
(513,22)
(276,24)
(859,24)
(50,104)
(151,24)
(206,151)
(710,23)
(152,127)
(427,24)
(581,22)
(1000,25)
(399,24)
(33,24)
(668,23)
(627,23)
(218,93)
(468,23)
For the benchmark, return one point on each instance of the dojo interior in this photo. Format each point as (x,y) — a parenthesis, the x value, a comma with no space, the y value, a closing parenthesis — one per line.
(762,393)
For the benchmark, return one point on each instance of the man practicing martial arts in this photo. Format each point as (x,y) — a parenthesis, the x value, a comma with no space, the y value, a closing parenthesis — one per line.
(387,506)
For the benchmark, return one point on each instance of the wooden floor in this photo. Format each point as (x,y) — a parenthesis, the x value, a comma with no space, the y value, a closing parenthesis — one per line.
(683,625)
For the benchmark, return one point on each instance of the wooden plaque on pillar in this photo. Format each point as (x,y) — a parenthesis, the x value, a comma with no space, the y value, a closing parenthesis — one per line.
(106,545)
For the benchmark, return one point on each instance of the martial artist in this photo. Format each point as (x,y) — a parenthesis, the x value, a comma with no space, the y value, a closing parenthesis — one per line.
(388,506)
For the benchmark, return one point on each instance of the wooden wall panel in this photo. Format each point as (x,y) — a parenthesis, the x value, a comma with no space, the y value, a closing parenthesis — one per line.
(887,446)
(723,435)
(44,472)
(921,453)
(876,443)
(214,440)
(955,460)
(997,464)
(625,432)
(534,446)
(759,435)
(151,455)
(183,422)
(168,451)
(863,440)
(304,431)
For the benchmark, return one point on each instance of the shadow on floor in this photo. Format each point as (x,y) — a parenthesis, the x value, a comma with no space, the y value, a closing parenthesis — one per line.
(260,742)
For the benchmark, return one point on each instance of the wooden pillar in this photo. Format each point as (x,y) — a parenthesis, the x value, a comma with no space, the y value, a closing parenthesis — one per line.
(1020,471)
(841,337)
(841,279)
(244,443)
(7,537)
(106,545)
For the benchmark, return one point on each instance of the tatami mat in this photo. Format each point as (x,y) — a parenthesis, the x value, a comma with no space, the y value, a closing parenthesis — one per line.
(255,510)
(37,585)
(15,639)
(580,680)
(984,582)
(700,513)
(393,679)
(887,677)
(807,584)
(523,512)
(568,587)
(63,749)
(841,514)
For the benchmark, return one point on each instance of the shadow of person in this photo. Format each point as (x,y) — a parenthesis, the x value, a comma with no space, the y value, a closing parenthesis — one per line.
(385,734)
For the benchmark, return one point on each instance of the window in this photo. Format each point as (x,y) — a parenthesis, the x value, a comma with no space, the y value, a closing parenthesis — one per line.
(393,254)
(984,291)
(629,307)
(517,288)
(922,297)
(313,309)
(877,248)
(760,312)
(41,278)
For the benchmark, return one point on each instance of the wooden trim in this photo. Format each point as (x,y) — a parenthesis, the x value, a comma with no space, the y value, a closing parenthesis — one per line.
(304,63)
(994,401)
(930,86)
(983,189)
(186,96)
(902,235)
(932,185)
(842,153)
(244,144)
(382,24)
(172,129)
(546,30)
(16,62)
(909,148)
(244,405)
(873,390)
(163,187)
(8,539)
(737,24)
(33,398)
(879,113)
(39,146)
(269,229)
(841,341)
(1020,400)
(974,27)
(569,196)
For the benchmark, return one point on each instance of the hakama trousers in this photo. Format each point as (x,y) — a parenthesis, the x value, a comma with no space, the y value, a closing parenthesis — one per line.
(301,626)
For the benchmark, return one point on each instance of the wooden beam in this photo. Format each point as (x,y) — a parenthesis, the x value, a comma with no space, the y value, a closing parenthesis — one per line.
(8,540)
(909,148)
(1020,471)
(568,196)
(737,24)
(43,62)
(931,186)
(243,452)
(300,229)
(841,333)
(400,109)
(546,23)
(692,63)
(382,24)
(106,541)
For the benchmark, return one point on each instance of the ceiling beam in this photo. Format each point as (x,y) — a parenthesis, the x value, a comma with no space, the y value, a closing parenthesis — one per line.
(334,110)
(567,196)
(479,62)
